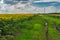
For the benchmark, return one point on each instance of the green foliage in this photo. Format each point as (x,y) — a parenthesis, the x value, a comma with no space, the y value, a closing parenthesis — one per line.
(30,28)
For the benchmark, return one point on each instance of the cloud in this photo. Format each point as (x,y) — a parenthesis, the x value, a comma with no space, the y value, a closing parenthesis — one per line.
(49,0)
(27,8)
(50,9)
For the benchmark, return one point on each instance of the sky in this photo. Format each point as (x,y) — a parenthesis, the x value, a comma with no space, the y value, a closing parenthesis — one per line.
(50,0)
(29,6)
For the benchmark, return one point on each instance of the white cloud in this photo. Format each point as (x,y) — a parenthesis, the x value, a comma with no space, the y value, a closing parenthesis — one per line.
(58,9)
(25,8)
(46,0)
(50,9)
(49,0)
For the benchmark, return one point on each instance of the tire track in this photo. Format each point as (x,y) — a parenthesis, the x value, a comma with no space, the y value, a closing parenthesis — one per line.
(56,27)
(46,29)
(46,24)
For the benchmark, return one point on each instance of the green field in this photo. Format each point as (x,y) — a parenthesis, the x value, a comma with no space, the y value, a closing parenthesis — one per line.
(31,28)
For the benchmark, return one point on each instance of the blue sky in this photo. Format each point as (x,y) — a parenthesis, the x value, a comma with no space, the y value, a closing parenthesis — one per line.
(44,4)
(29,6)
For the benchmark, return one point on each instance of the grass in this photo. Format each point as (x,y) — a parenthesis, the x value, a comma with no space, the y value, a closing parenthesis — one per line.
(33,27)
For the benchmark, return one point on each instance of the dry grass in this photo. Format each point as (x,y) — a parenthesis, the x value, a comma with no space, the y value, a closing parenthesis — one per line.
(9,16)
